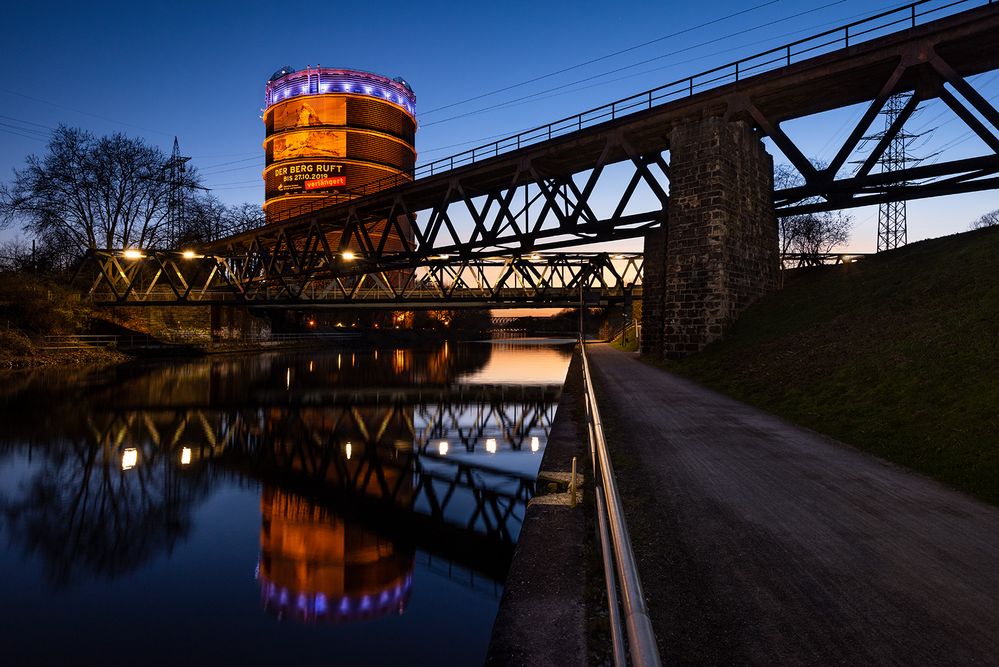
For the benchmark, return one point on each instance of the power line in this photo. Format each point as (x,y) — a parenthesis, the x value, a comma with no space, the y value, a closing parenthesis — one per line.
(256,156)
(598,59)
(80,111)
(627,67)
(18,134)
(658,69)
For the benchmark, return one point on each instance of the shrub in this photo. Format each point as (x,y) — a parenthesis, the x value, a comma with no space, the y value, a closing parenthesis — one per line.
(14,343)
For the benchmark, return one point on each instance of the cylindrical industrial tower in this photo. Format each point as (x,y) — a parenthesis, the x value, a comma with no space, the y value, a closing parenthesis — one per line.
(332,131)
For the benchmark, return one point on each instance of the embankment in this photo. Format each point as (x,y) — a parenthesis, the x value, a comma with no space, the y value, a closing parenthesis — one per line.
(897,355)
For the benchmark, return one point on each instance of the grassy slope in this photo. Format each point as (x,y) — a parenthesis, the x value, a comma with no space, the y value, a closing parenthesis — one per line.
(897,355)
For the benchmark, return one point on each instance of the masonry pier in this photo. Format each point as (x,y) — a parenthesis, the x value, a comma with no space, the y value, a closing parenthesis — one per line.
(718,252)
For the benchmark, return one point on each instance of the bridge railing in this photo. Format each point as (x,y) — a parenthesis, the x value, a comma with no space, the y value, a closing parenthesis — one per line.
(620,569)
(842,36)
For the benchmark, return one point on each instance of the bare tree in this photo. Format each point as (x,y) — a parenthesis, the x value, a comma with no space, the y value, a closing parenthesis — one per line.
(990,219)
(244,217)
(109,192)
(208,219)
(809,234)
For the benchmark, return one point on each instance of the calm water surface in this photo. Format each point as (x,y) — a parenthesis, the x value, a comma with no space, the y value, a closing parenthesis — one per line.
(346,506)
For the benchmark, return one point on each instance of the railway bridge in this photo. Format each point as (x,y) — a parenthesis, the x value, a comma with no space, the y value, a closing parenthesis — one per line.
(699,191)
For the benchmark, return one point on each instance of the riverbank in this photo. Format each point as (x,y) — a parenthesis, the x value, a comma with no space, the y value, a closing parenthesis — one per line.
(553,610)
(17,352)
(897,354)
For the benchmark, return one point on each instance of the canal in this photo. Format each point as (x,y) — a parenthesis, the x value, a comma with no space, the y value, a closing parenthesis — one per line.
(356,505)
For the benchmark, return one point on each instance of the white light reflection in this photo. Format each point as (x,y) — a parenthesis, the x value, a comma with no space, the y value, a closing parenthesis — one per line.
(287,379)
(129,458)
(442,448)
(348,450)
(535,443)
(491,445)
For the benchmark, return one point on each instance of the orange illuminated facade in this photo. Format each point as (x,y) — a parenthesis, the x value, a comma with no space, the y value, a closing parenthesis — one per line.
(332,131)
(317,567)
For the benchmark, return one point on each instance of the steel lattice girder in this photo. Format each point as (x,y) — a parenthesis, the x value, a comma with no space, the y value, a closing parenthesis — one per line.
(919,58)
(924,72)
(541,279)
(521,211)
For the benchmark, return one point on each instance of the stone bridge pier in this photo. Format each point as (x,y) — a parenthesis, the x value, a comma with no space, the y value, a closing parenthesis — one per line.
(718,252)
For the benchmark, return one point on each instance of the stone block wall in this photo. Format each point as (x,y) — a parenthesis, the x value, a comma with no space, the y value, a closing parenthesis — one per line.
(653,291)
(721,251)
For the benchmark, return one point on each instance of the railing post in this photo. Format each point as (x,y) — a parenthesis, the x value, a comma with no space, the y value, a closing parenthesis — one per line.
(913,7)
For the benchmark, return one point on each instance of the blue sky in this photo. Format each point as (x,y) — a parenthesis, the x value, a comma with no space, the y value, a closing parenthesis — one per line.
(197,71)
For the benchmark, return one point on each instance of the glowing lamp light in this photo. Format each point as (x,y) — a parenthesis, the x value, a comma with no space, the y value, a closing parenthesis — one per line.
(535,444)
(185,456)
(491,445)
(188,254)
(132,254)
(348,450)
(129,458)
(287,379)
(348,255)
(442,448)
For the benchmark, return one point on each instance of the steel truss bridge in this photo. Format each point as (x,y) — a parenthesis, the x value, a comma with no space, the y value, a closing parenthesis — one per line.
(539,190)
(538,279)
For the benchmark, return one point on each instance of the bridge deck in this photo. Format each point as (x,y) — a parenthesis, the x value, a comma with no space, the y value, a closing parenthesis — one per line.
(968,40)
(762,542)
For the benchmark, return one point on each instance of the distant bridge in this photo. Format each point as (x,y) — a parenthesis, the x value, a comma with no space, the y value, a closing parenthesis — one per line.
(543,280)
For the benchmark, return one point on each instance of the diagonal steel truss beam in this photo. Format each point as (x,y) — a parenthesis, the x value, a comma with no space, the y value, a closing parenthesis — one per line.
(540,279)
(927,77)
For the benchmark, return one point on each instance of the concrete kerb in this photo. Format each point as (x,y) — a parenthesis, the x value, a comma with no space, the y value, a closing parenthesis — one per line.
(542,616)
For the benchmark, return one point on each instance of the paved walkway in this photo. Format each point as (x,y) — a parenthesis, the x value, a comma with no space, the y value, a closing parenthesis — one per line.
(766,543)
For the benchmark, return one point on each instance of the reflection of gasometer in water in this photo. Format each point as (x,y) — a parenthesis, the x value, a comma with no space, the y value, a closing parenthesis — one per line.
(317,567)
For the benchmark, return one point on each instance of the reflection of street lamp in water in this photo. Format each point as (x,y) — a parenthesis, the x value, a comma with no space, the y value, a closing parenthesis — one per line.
(129,458)
(535,443)
(491,445)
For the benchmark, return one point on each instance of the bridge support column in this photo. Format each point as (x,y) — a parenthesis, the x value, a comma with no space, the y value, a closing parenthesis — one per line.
(721,250)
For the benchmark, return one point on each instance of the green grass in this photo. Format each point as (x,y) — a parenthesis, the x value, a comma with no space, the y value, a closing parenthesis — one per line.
(626,342)
(897,355)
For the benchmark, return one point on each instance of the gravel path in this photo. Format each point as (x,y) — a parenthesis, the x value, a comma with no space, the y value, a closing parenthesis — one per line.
(762,542)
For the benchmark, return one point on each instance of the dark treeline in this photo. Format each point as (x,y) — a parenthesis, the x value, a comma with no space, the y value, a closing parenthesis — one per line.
(87,192)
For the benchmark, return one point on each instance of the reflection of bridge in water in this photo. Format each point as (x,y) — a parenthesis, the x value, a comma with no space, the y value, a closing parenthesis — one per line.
(370,463)
(393,459)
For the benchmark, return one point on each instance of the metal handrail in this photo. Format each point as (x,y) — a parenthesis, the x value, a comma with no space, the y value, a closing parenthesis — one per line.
(642,645)
(845,35)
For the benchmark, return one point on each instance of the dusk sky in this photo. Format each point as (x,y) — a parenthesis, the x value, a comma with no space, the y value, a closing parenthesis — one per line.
(197,71)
